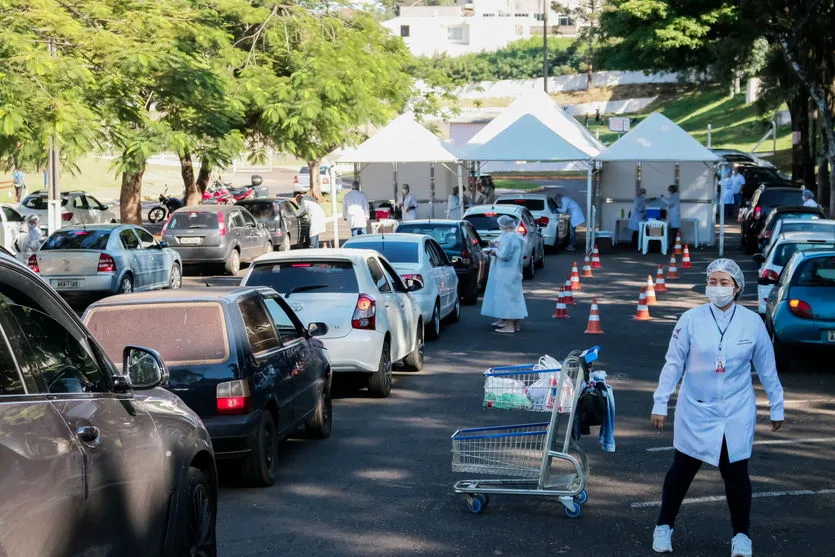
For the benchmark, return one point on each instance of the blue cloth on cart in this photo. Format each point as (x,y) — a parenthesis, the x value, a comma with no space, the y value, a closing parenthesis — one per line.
(606,437)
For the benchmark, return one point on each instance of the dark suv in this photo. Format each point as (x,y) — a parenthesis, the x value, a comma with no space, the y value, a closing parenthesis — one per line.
(756,176)
(754,212)
(238,357)
(279,216)
(106,459)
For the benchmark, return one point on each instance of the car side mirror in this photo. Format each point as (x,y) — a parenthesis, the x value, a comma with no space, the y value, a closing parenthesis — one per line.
(766,281)
(317,329)
(144,367)
(105,207)
(413,285)
(758,258)
(163,245)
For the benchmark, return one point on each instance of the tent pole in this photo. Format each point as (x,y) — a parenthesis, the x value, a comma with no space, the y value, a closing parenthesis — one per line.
(394,165)
(589,223)
(721,217)
(432,190)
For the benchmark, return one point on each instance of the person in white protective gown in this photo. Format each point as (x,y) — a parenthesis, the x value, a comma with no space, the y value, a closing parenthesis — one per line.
(573,209)
(503,297)
(808,198)
(639,212)
(714,346)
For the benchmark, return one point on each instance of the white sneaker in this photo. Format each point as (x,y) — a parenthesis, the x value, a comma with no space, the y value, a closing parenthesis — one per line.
(662,539)
(741,546)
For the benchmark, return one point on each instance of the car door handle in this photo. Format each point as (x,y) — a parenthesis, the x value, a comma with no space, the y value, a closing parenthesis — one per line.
(88,434)
(388,305)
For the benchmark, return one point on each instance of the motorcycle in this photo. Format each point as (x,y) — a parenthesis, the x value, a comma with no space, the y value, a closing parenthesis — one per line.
(244,192)
(167,205)
(218,193)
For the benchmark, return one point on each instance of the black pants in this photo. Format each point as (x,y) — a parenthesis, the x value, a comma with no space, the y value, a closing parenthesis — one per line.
(672,238)
(737,489)
(635,240)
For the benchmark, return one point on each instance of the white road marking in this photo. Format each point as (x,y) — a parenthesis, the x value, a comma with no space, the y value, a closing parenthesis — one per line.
(718,498)
(767,442)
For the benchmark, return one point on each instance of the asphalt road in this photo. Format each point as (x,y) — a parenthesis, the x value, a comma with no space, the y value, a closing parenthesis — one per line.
(381,485)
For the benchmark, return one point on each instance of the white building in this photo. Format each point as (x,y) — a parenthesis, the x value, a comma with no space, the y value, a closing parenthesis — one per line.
(483,25)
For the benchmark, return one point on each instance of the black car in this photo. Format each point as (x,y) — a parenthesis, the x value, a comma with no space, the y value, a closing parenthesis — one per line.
(462,244)
(755,211)
(238,357)
(278,215)
(112,462)
(785,212)
(756,176)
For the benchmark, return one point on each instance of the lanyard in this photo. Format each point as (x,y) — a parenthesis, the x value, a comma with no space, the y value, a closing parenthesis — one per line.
(721,332)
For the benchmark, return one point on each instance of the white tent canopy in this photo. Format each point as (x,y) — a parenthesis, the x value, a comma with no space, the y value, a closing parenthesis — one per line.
(657,138)
(403,140)
(527,139)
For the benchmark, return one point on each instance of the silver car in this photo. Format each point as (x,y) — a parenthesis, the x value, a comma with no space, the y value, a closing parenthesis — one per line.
(106,259)
(485,220)
(77,207)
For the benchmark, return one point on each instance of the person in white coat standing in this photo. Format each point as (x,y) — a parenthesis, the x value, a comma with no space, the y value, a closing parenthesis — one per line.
(308,206)
(673,204)
(503,297)
(454,205)
(809,199)
(713,347)
(572,208)
(355,210)
(408,204)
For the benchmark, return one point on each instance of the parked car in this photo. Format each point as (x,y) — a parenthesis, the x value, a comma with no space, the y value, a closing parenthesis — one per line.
(329,177)
(106,259)
(756,176)
(798,225)
(800,312)
(372,320)
(216,234)
(736,156)
(772,263)
(418,258)
(239,358)
(753,213)
(112,461)
(77,207)
(552,224)
(287,231)
(463,246)
(781,213)
(13,225)
(485,220)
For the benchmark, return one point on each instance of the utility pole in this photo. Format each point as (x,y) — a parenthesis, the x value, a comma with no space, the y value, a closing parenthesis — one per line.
(53,172)
(546,7)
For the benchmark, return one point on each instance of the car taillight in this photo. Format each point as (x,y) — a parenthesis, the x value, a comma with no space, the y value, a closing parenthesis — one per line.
(234,397)
(757,212)
(770,274)
(766,234)
(465,256)
(522,229)
(66,217)
(221,224)
(800,309)
(33,263)
(543,221)
(365,313)
(106,264)
(165,226)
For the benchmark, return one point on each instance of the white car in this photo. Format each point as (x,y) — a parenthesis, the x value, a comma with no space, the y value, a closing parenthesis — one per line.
(552,224)
(485,220)
(421,261)
(372,320)
(77,207)
(798,225)
(330,179)
(14,224)
(784,247)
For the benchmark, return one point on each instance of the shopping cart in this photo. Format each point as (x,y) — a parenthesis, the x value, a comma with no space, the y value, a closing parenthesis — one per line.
(540,459)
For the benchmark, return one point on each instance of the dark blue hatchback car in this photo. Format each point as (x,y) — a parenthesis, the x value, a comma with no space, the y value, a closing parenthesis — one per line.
(239,357)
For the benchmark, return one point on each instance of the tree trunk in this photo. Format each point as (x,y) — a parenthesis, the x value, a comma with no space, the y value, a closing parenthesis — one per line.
(130,197)
(203,177)
(315,180)
(796,107)
(192,195)
(807,155)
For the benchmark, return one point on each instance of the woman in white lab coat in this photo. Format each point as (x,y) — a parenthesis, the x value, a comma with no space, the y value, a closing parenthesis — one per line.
(308,206)
(673,204)
(639,211)
(713,347)
(454,205)
(503,297)
(571,207)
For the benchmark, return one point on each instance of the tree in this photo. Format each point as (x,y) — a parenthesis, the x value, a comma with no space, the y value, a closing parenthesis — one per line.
(586,13)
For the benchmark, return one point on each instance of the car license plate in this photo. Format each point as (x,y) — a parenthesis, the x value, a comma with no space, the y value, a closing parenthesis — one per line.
(66,284)
(830,336)
(191,241)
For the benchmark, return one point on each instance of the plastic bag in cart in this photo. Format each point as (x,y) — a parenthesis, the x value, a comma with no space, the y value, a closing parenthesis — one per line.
(503,393)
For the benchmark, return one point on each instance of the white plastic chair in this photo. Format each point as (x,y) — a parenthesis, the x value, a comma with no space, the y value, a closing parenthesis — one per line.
(654,226)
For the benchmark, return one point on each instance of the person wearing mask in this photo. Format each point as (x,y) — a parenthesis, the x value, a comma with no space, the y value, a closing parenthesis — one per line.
(738,181)
(713,347)
(503,297)
(728,196)
(570,207)
(454,205)
(19,182)
(639,213)
(355,210)
(809,199)
(30,241)
(316,215)
(673,204)
(408,204)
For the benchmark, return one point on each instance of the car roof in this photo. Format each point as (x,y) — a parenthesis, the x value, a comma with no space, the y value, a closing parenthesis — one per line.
(208,208)
(543,196)
(796,209)
(505,209)
(423,222)
(826,222)
(105,226)
(352,254)
(802,235)
(214,294)
(786,188)
(393,237)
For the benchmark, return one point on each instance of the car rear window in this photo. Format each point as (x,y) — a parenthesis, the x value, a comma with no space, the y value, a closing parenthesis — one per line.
(810,226)
(775,198)
(489,221)
(310,276)
(449,237)
(819,271)
(785,251)
(77,239)
(804,216)
(193,219)
(39,202)
(183,333)
(263,210)
(396,252)
(531,204)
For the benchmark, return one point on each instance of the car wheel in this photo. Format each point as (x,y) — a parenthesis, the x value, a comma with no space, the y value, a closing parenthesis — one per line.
(455,316)
(157,214)
(194,529)
(541,262)
(259,467)
(320,425)
(433,330)
(233,264)
(471,297)
(175,279)
(414,359)
(126,284)
(285,244)
(529,271)
(379,383)
(781,354)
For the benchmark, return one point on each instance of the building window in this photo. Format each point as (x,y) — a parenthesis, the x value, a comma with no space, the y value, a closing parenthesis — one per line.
(565,21)
(455,34)
(404,31)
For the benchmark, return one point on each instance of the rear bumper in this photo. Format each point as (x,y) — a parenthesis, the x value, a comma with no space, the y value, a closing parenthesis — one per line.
(359,351)
(233,436)
(214,254)
(88,284)
(792,330)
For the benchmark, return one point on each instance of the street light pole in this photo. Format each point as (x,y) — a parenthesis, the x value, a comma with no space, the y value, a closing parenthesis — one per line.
(545,9)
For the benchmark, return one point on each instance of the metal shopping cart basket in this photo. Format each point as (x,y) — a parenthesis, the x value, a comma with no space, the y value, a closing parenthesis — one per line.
(537,458)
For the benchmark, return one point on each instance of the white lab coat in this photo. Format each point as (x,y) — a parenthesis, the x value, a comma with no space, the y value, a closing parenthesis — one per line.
(673,204)
(410,204)
(810,203)
(453,207)
(355,209)
(316,215)
(712,405)
(568,205)
(737,181)
(503,297)
(728,189)
(30,242)
(639,209)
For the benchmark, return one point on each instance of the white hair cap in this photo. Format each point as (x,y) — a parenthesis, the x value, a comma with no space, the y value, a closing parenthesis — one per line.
(730,267)
(506,221)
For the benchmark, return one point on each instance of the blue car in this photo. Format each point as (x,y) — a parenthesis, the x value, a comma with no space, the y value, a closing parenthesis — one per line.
(800,311)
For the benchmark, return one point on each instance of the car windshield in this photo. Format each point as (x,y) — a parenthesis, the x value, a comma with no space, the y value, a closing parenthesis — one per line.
(775,198)
(487,221)
(261,210)
(77,239)
(818,271)
(785,251)
(193,219)
(183,333)
(448,236)
(326,276)
(394,251)
(531,204)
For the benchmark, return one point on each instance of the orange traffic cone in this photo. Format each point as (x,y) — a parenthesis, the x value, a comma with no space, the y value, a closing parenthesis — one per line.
(660,283)
(569,295)
(643,311)
(685,259)
(562,311)
(575,278)
(651,301)
(593,327)
(595,259)
(672,272)
(678,244)
(587,268)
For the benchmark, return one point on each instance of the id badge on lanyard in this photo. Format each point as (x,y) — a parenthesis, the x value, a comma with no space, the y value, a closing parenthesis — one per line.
(720,363)
(720,357)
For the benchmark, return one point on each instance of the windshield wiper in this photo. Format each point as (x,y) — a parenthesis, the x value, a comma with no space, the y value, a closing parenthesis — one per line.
(305,288)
